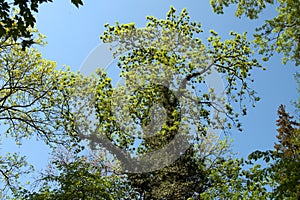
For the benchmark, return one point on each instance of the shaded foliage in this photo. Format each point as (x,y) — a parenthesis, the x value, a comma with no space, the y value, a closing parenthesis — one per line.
(76,177)
(18,16)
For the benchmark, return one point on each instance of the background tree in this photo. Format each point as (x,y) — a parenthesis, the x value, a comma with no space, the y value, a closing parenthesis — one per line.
(283,161)
(232,178)
(34,96)
(70,176)
(279,34)
(277,179)
(12,168)
(35,101)
(287,152)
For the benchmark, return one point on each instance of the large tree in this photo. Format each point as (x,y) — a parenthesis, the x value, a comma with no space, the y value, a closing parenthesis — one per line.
(161,64)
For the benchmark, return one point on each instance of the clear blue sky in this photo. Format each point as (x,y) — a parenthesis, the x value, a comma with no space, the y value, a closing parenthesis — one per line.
(72,33)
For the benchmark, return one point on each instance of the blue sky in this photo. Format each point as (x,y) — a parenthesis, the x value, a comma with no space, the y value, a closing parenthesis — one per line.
(72,33)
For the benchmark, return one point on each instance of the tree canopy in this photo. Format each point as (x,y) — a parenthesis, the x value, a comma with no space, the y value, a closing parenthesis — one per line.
(154,134)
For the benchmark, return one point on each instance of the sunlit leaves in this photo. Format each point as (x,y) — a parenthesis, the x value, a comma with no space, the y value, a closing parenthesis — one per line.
(280,34)
(169,55)
(35,96)
(12,168)
(186,54)
(35,101)
(250,8)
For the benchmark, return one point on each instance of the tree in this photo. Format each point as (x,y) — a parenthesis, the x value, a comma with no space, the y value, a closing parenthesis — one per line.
(171,47)
(146,113)
(70,176)
(287,154)
(233,178)
(146,48)
(279,179)
(35,96)
(283,161)
(35,101)
(280,34)
(17,17)
(162,105)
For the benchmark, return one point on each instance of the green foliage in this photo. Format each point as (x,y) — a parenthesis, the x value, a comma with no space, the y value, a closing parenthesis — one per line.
(145,51)
(297,102)
(250,8)
(15,25)
(75,177)
(77,3)
(12,168)
(173,48)
(34,95)
(160,63)
(229,179)
(280,34)
(35,102)
(279,179)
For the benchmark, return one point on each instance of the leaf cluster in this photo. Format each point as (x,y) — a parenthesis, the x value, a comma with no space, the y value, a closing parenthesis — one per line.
(17,17)
(280,34)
